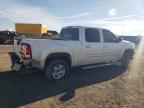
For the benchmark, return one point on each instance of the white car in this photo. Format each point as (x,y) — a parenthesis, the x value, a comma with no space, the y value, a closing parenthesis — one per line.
(78,46)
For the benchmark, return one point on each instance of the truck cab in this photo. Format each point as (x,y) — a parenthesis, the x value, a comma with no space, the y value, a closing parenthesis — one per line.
(98,44)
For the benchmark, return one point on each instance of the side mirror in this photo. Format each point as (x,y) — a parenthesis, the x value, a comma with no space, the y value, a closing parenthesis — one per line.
(119,39)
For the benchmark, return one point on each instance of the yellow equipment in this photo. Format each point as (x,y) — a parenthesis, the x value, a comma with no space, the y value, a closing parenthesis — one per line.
(31,29)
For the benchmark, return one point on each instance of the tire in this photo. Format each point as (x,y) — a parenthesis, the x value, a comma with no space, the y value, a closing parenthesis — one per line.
(125,60)
(56,70)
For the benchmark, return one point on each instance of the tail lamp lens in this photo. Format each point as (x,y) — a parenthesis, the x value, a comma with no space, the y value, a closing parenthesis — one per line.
(26,50)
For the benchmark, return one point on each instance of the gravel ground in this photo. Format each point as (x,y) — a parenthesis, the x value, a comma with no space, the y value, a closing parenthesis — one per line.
(108,87)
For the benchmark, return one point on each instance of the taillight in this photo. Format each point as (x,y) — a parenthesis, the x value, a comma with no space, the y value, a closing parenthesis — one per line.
(25,51)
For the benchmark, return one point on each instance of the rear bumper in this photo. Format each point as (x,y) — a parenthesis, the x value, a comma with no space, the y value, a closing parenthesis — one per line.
(14,58)
(18,63)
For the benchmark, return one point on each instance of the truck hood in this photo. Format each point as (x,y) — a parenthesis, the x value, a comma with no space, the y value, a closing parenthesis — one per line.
(127,42)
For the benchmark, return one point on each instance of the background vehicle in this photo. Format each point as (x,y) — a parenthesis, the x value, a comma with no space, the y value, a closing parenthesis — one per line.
(31,29)
(134,39)
(7,37)
(86,47)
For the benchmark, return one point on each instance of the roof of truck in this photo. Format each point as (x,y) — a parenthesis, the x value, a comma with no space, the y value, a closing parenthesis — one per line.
(76,26)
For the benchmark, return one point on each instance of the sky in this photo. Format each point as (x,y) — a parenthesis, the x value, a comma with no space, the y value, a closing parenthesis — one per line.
(123,17)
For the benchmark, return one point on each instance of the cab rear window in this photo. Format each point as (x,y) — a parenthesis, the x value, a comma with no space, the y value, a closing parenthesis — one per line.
(70,34)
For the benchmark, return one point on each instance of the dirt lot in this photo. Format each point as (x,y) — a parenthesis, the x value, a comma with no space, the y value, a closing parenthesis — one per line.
(108,87)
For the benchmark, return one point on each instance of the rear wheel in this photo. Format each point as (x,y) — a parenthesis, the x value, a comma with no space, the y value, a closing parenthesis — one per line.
(56,69)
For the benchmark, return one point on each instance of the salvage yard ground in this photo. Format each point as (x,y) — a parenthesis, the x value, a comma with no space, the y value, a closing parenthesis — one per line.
(110,87)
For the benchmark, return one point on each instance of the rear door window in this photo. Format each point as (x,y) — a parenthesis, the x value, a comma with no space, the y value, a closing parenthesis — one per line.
(92,35)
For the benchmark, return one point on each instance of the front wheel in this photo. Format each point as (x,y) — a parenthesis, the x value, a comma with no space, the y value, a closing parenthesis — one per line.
(125,61)
(56,70)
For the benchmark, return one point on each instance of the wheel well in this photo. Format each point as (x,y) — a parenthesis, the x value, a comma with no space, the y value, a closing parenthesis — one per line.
(130,52)
(63,56)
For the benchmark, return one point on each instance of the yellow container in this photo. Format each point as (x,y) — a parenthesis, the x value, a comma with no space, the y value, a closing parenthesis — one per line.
(31,29)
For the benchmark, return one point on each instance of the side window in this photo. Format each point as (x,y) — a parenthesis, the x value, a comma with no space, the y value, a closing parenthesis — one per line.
(92,35)
(70,34)
(109,36)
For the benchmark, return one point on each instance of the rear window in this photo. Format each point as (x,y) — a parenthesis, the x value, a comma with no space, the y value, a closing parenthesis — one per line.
(70,34)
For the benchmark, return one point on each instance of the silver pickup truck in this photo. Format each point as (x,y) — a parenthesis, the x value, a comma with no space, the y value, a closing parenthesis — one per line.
(78,46)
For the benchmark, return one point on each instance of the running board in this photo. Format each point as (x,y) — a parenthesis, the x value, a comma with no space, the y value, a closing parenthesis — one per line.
(99,65)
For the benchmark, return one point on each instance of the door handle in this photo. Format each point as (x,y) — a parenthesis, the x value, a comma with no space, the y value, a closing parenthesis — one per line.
(105,46)
(88,46)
